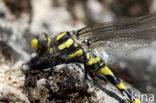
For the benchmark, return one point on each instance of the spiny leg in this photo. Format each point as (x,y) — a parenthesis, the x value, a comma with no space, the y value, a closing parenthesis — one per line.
(44,59)
(51,65)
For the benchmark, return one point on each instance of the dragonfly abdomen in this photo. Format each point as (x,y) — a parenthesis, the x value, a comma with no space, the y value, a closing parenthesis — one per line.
(96,64)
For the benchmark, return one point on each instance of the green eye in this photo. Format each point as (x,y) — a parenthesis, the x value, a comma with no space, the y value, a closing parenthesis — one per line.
(34,43)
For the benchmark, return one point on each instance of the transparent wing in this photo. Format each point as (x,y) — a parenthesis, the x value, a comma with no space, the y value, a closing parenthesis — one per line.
(114,40)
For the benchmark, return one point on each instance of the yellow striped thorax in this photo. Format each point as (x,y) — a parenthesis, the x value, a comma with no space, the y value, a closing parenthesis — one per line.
(60,35)
(75,54)
(67,41)
(67,44)
(41,44)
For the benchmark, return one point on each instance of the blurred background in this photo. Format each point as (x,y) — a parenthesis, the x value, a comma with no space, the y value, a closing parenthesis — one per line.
(21,20)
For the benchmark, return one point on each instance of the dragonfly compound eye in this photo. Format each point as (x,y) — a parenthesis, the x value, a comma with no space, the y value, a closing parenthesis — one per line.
(41,44)
(43,41)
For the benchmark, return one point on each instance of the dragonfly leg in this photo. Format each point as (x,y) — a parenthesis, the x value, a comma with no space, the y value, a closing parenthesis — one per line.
(86,72)
(51,64)
(42,60)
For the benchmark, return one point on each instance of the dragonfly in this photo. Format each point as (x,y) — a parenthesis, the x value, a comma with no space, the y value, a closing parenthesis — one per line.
(96,46)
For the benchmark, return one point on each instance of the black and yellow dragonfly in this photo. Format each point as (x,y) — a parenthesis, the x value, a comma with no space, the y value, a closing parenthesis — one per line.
(92,46)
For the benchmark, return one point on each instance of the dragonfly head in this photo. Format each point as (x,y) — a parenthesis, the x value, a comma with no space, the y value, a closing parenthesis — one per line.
(41,44)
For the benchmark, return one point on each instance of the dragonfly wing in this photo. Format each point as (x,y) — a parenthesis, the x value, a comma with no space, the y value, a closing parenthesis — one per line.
(120,38)
(112,51)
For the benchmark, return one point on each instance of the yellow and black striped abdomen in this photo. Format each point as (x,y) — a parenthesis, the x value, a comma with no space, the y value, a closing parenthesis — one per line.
(96,64)
(68,48)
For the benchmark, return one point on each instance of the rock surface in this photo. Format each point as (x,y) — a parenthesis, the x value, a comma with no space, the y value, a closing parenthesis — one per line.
(67,83)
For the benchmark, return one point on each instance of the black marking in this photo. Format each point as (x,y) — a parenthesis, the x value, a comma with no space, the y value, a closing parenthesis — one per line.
(114,80)
(64,38)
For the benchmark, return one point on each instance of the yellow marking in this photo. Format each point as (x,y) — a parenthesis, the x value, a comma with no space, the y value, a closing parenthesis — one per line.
(34,43)
(101,64)
(93,61)
(61,35)
(76,45)
(105,71)
(67,44)
(136,101)
(49,40)
(121,86)
(51,50)
(77,53)
(97,59)
(87,55)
